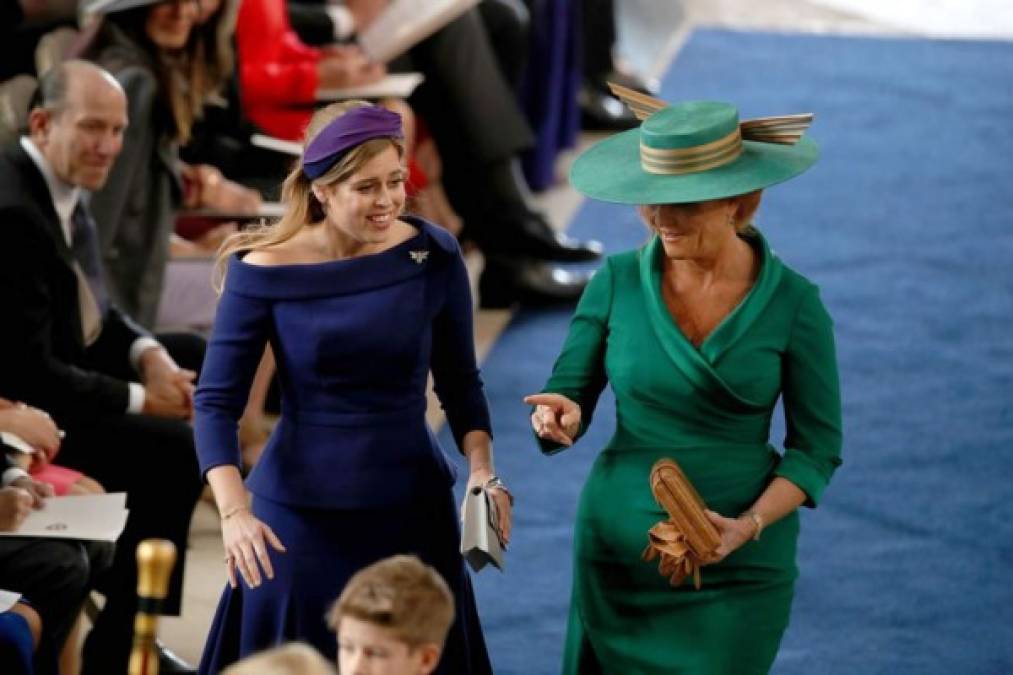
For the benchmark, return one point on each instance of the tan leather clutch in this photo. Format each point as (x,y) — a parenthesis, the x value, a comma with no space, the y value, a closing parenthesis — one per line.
(687,539)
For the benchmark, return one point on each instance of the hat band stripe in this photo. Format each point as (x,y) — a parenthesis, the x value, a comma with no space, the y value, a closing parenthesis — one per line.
(679,168)
(692,160)
(734,137)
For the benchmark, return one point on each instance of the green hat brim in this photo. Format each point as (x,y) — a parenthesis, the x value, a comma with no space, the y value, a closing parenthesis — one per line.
(610,171)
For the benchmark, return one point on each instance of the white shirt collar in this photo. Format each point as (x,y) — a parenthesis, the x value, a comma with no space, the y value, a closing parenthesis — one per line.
(65,196)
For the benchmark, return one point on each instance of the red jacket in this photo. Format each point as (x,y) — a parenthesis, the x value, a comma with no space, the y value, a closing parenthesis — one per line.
(277,71)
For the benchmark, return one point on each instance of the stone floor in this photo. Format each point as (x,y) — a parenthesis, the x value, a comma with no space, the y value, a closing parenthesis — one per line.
(651,33)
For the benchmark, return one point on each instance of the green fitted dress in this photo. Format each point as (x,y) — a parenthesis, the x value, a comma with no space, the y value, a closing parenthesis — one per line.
(710,409)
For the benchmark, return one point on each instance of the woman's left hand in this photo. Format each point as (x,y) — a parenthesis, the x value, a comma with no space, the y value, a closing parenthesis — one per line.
(734,533)
(500,496)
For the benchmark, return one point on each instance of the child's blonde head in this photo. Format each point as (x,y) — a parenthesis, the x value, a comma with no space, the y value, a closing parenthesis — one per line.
(291,659)
(402,595)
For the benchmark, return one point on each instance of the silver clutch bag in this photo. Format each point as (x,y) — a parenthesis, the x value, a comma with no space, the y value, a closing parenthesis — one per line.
(480,543)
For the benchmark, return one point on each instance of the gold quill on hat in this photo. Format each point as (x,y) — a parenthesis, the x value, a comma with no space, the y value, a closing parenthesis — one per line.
(780,129)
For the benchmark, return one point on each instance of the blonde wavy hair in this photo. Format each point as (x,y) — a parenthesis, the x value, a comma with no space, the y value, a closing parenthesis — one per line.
(301,206)
(184,76)
(294,658)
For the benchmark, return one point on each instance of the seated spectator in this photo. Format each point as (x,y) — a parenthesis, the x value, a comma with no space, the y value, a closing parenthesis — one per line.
(22,24)
(392,619)
(470,108)
(35,428)
(222,135)
(53,575)
(279,75)
(292,659)
(68,350)
(31,440)
(322,22)
(151,48)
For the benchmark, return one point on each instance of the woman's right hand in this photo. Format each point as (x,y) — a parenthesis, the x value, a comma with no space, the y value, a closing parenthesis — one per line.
(556,418)
(345,66)
(246,538)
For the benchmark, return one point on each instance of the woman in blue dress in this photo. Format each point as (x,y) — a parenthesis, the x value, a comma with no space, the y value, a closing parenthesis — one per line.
(358,302)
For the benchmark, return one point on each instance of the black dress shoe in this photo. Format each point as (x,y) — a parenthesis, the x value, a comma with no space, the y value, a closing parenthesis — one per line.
(527,235)
(602,111)
(169,662)
(505,282)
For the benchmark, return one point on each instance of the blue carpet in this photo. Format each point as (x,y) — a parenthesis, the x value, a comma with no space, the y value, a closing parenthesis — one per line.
(906,225)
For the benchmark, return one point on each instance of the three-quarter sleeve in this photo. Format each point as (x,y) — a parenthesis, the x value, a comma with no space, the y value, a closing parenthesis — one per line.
(812,401)
(456,378)
(240,334)
(579,371)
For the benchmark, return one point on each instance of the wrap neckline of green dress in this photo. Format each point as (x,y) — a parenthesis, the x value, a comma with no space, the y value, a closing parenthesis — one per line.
(699,364)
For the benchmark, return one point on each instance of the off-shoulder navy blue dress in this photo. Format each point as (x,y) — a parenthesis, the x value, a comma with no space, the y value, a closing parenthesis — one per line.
(352,472)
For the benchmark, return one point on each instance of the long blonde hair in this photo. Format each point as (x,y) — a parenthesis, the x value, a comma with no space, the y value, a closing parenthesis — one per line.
(216,35)
(301,206)
(183,76)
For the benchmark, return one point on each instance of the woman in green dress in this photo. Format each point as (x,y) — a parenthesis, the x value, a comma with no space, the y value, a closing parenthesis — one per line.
(698,333)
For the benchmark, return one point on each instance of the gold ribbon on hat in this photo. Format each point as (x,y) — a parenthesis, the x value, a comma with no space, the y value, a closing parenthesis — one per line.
(780,129)
(691,160)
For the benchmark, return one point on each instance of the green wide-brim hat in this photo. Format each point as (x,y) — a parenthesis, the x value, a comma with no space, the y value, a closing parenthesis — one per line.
(692,152)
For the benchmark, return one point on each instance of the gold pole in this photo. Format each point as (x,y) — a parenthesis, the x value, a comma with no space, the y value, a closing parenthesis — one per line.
(155,559)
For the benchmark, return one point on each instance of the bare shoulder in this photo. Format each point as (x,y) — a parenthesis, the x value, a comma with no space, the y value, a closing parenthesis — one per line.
(295,251)
(404,231)
(267,257)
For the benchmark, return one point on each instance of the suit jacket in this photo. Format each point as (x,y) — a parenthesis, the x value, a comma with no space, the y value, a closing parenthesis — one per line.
(43,357)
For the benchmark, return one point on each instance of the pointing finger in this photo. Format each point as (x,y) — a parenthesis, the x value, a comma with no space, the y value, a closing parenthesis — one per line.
(552,400)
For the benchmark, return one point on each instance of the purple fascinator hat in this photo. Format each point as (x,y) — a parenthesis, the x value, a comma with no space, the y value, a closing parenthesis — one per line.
(353,128)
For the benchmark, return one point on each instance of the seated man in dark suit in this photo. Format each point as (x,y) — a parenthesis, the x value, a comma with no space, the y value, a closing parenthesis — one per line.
(113,388)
